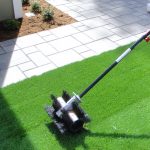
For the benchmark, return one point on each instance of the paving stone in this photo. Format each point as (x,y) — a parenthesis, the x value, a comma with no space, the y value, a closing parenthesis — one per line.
(104,17)
(73,14)
(50,38)
(12,59)
(46,49)
(83,28)
(76,8)
(63,8)
(29,40)
(98,33)
(91,13)
(1,51)
(29,50)
(128,19)
(115,22)
(88,54)
(120,32)
(109,26)
(65,43)
(134,28)
(83,38)
(80,18)
(58,2)
(94,22)
(39,70)
(64,58)
(114,37)
(88,6)
(77,24)
(44,33)
(81,49)
(126,40)
(11,48)
(7,43)
(38,58)
(101,46)
(64,31)
(26,66)
(11,75)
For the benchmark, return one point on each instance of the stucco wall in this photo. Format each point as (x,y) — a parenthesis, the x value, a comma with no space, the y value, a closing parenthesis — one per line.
(6,9)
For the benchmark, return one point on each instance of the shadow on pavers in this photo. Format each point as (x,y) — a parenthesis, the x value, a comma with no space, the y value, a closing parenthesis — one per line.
(71,141)
(12,134)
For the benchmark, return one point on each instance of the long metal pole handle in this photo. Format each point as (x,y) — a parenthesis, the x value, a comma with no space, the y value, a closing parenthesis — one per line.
(114,64)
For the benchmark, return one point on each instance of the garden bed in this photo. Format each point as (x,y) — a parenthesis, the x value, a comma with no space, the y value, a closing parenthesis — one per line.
(29,25)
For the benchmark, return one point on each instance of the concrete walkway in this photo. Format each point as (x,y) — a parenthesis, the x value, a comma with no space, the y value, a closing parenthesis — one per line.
(102,25)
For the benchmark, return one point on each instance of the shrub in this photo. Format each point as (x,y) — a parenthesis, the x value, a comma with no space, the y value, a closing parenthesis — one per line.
(35,7)
(11,25)
(47,14)
(25,2)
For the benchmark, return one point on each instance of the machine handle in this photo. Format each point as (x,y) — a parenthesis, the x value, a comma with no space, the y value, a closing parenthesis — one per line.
(114,64)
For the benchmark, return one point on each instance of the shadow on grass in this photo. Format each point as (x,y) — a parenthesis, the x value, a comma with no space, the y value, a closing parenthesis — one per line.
(71,141)
(12,134)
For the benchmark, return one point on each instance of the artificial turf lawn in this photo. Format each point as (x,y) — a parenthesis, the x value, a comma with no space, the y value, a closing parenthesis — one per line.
(119,106)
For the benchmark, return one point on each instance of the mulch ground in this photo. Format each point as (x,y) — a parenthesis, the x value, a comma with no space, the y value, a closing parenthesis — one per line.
(29,25)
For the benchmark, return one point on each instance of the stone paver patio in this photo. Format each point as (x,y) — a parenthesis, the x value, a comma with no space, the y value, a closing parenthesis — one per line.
(102,25)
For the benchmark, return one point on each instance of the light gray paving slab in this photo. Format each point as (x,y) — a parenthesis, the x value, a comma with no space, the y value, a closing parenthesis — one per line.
(39,70)
(29,40)
(98,33)
(83,38)
(109,26)
(121,32)
(88,54)
(27,66)
(57,2)
(1,51)
(65,58)
(65,43)
(77,24)
(12,58)
(94,22)
(7,43)
(134,28)
(44,33)
(30,49)
(11,75)
(126,40)
(114,37)
(50,38)
(11,48)
(81,49)
(83,28)
(80,18)
(91,13)
(38,58)
(46,49)
(64,31)
(101,46)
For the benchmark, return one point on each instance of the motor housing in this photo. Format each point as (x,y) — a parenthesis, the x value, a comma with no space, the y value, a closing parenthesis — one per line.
(71,119)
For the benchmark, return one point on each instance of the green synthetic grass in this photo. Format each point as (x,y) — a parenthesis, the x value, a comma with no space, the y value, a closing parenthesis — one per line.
(119,106)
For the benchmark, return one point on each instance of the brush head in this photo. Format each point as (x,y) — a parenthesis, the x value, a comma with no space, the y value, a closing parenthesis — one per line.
(71,120)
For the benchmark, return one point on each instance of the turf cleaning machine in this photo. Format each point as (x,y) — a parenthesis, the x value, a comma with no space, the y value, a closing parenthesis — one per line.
(65,111)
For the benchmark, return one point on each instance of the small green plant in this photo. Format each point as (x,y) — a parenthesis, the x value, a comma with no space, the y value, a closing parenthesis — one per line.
(25,2)
(48,14)
(11,25)
(35,7)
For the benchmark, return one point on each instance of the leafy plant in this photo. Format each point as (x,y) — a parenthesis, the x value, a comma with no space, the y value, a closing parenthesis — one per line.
(48,14)
(11,25)
(35,7)
(25,2)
